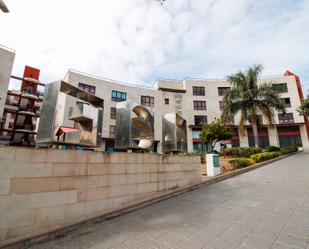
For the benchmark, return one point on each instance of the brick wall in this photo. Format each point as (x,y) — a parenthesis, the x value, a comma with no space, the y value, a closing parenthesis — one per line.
(43,190)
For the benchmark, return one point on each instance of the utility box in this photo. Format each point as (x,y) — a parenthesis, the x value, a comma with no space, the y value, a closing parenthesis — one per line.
(213,164)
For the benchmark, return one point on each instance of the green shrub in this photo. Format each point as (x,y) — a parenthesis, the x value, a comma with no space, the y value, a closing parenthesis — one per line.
(290,149)
(264,156)
(240,151)
(272,148)
(241,162)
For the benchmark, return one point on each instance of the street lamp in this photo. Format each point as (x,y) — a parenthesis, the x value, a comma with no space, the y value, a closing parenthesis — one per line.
(3,7)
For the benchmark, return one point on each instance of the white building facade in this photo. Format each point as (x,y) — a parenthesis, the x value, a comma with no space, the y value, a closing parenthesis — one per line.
(199,101)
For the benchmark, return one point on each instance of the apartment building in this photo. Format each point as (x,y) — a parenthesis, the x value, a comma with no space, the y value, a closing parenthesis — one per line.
(199,101)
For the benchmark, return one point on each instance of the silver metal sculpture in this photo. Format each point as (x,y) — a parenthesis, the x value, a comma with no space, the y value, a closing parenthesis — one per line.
(174,133)
(85,109)
(134,127)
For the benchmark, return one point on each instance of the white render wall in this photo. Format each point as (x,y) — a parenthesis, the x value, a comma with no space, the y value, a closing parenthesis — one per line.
(104,88)
(6,64)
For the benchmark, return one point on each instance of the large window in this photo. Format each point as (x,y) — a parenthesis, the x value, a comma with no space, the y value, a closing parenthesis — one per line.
(222,90)
(199,90)
(119,96)
(147,101)
(113,113)
(286,118)
(286,102)
(199,105)
(280,88)
(87,88)
(200,119)
(112,129)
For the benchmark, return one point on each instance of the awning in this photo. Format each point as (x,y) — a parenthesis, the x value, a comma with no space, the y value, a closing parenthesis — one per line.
(64,129)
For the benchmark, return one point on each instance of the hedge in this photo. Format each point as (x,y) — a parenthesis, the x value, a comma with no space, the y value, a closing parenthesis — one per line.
(264,156)
(240,151)
(241,162)
(271,148)
(289,149)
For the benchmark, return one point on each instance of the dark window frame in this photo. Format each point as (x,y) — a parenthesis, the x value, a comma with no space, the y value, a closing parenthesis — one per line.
(286,103)
(200,120)
(280,87)
(166,101)
(113,113)
(222,90)
(198,90)
(199,105)
(287,118)
(118,96)
(147,100)
(88,88)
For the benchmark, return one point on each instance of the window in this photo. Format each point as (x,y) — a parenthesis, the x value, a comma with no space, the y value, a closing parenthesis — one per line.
(259,120)
(200,119)
(147,101)
(286,118)
(166,101)
(222,90)
(199,90)
(87,88)
(221,104)
(199,105)
(119,96)
(113,113)
(280,88)
(286,102)
(112,129)
(11,125)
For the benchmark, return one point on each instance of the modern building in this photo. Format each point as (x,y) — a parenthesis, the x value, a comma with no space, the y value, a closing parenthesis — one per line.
(19,110)
(199,101)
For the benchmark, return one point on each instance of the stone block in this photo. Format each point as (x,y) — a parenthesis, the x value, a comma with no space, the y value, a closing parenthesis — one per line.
(31,155)
(97,193)
(25,169)
(4,186)
(98,157)
(117,168)
(35,185)
(37,200)
(138,178)
(48,214)
(17,218)
(4,170)
(137,168)
(76,209)
(68,169)
(98,169)
(118,190)
(119,157)
(7,154)
(97,181)
(118,179)
(73,182)
(66,156)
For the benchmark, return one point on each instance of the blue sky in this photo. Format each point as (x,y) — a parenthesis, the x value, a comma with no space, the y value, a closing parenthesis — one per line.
(138,41)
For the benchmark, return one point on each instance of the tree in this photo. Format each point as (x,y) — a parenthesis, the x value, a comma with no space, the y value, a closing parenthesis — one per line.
(304,108)
(251,99)
(214,132)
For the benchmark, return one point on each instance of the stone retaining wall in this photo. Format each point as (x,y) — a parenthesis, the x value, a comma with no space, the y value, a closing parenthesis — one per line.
(42,190)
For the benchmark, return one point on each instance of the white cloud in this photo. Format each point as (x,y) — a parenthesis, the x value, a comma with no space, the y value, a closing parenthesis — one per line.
(139,40)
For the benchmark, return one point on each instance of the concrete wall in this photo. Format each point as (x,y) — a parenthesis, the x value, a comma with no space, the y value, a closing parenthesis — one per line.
(6,64)
(42,190)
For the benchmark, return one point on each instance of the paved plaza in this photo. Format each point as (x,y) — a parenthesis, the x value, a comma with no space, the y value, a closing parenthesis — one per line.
(264,208)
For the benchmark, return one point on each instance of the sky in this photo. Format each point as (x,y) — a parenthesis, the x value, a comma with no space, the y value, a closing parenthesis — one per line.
(138,41)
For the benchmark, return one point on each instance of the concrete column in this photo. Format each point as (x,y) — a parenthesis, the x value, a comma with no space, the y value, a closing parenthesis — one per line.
(189,140)
(243,138)
(273,136)
(304,137)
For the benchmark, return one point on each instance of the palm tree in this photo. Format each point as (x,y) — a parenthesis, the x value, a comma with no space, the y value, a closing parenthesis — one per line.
(250,99)
(304,108)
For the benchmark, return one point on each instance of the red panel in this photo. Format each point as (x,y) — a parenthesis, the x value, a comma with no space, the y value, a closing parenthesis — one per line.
(289,133)
(301,96)
(196,140)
